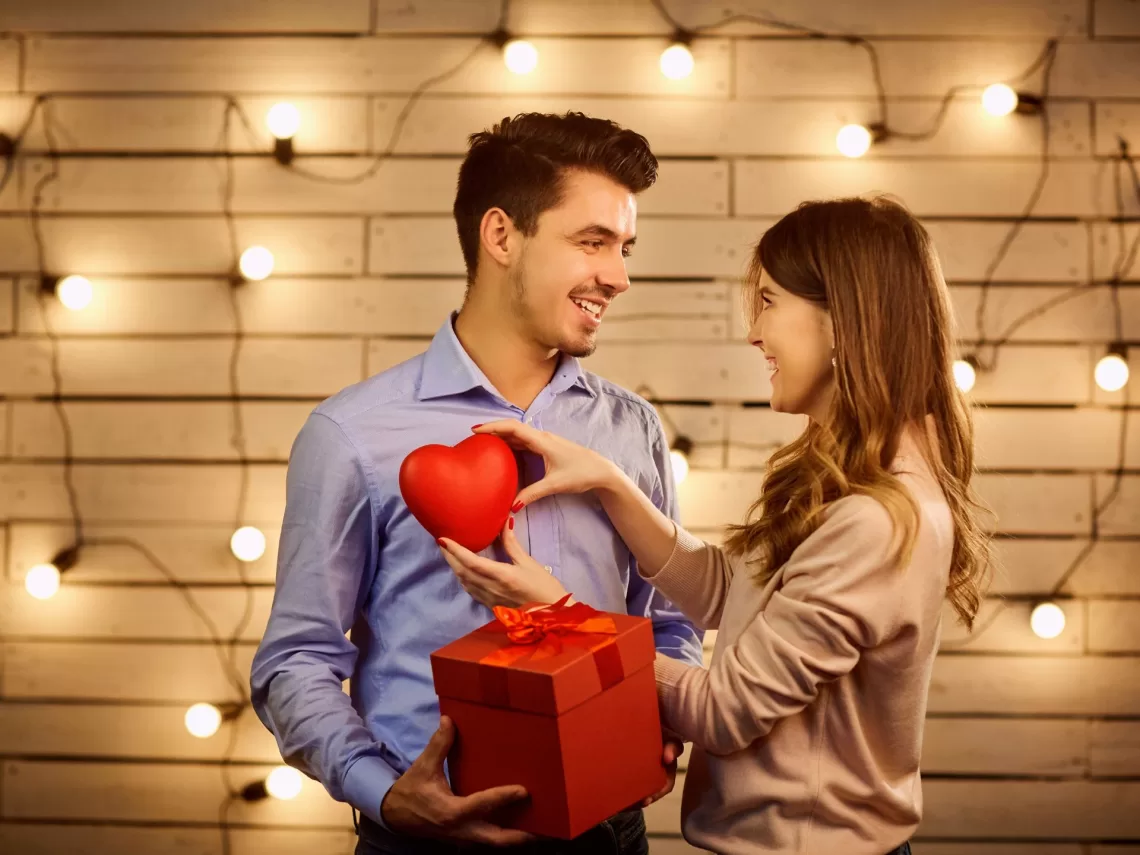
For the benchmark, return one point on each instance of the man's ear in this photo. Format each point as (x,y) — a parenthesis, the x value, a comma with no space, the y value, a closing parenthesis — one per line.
(498,236)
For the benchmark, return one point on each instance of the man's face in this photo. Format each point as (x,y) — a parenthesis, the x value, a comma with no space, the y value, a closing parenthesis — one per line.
(574,266)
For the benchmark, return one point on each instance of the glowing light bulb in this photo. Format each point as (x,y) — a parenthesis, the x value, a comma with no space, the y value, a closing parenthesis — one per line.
(520,56)
(1047,620)
(256,263)
(1111,372)
(680,466)
(999,100)
(74,292)
(247,543)
(677,61)
(853,140)
(965,375)
(203,720)
(283,120)
(284,783)
(42,581)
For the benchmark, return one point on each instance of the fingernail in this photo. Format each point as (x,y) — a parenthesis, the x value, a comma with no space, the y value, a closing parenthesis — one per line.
(516,507)
(477,426)
(511,523)
(439,540)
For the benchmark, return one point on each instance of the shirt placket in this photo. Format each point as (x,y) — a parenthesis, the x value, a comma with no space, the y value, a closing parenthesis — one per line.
(542,520)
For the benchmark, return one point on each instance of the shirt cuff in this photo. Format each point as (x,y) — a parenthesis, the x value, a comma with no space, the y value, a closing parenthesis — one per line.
(366,783)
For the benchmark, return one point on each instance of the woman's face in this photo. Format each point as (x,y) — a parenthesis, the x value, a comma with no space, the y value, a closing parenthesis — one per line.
(797,338)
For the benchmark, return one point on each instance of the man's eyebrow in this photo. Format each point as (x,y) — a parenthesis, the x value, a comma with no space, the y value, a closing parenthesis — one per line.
(603,232)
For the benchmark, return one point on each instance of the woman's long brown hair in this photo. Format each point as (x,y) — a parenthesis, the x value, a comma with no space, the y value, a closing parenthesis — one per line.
(872,265)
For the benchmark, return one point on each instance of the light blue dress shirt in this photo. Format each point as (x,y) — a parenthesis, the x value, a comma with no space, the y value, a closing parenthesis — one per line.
(354,560)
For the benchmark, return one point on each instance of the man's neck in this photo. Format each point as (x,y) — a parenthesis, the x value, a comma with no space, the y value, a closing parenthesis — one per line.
(519,369)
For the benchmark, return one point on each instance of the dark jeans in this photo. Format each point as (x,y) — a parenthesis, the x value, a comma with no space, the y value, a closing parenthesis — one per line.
(623,834)
(902,850)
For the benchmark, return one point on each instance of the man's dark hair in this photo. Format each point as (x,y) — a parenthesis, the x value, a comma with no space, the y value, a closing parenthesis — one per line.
(521,163)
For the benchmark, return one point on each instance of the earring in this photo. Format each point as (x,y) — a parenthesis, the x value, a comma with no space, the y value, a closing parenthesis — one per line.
(833,362)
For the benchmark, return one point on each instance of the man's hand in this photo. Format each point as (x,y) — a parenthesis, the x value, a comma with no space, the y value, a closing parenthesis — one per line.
(673,750)
(421,804)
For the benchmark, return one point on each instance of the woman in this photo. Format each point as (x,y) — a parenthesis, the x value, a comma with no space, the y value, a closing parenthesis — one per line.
(807,726)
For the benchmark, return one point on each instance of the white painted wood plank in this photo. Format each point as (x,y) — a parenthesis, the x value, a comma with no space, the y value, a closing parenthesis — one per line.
(441,124)
(17,251)
(182,673)
(262,186)
(1116,119)
(1050,439)
(125,731)
(189,123)
(1028,566)
(1122,516)
(809,68)
(985,746)
(951,188)
(193,553)
(1037,504)
(1115,18)
(7,306)
(1111,246)
(720,372)
(1109,569)
(50,839)
(1029,374)
(879,17)
(145,791)
(156,431)
(755,433)
(326,245)
(1114,748)
(145,493)
(1031,809)
(132,614)
(1042,252)
(1035,685)
(1114,626)
(1003,627)
(9,65)
(1083,315)
(207,16)
(308,368)
(363,65)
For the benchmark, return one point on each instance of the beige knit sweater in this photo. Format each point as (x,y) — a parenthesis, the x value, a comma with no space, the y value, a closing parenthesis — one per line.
(807,726)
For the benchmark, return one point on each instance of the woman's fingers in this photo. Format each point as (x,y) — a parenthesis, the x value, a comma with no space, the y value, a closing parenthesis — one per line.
(516,433)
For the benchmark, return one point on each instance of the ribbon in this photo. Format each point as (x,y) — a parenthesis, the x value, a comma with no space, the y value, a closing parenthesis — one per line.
(538,633)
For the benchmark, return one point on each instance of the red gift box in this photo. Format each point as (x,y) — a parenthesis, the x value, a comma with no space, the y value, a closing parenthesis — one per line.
(561,700)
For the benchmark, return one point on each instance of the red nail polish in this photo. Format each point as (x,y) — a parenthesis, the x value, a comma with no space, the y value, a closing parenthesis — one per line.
(516,507)
(477,426)
(511,523)
(439,540)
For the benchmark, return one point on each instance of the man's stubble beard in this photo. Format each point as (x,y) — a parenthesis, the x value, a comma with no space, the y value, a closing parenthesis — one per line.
(531,323)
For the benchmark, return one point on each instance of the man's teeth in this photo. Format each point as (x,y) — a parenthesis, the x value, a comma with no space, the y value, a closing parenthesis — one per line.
(593,308)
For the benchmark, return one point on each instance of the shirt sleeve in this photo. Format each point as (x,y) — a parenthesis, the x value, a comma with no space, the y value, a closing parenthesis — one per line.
(676,635)
(839,596)
(328,549)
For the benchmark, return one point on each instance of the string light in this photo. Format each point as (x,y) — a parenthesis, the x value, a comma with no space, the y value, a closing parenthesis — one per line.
(74,292)
(283,121)
(247,543)
(203,720)
(1111,371)
(42,581)
(1047,620)
(856,140)
(679,458)
(284,783)
(520,56)
(999,99)
(256,263)
(677,59)
(966,372)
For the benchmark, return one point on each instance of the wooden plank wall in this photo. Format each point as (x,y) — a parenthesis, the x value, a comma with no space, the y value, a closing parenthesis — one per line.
(1032,746)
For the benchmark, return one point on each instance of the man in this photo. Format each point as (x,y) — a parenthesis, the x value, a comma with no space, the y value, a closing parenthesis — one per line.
(546,214)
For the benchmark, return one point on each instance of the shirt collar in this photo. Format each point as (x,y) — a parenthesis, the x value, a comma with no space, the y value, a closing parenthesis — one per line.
(449,370)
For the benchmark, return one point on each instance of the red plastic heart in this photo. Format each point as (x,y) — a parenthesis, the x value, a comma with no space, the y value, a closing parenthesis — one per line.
(462,492)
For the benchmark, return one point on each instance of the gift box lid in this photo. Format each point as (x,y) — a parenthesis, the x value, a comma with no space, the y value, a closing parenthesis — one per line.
(544,660)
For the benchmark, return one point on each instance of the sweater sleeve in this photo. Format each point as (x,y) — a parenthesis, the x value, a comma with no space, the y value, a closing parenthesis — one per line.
(695,578)
(839,595)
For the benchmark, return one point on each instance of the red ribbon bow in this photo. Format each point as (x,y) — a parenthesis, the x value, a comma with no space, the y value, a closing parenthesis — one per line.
(537,633)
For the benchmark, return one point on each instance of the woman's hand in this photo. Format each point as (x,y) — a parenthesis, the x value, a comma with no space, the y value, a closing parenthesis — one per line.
(570,468)
(494,583)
